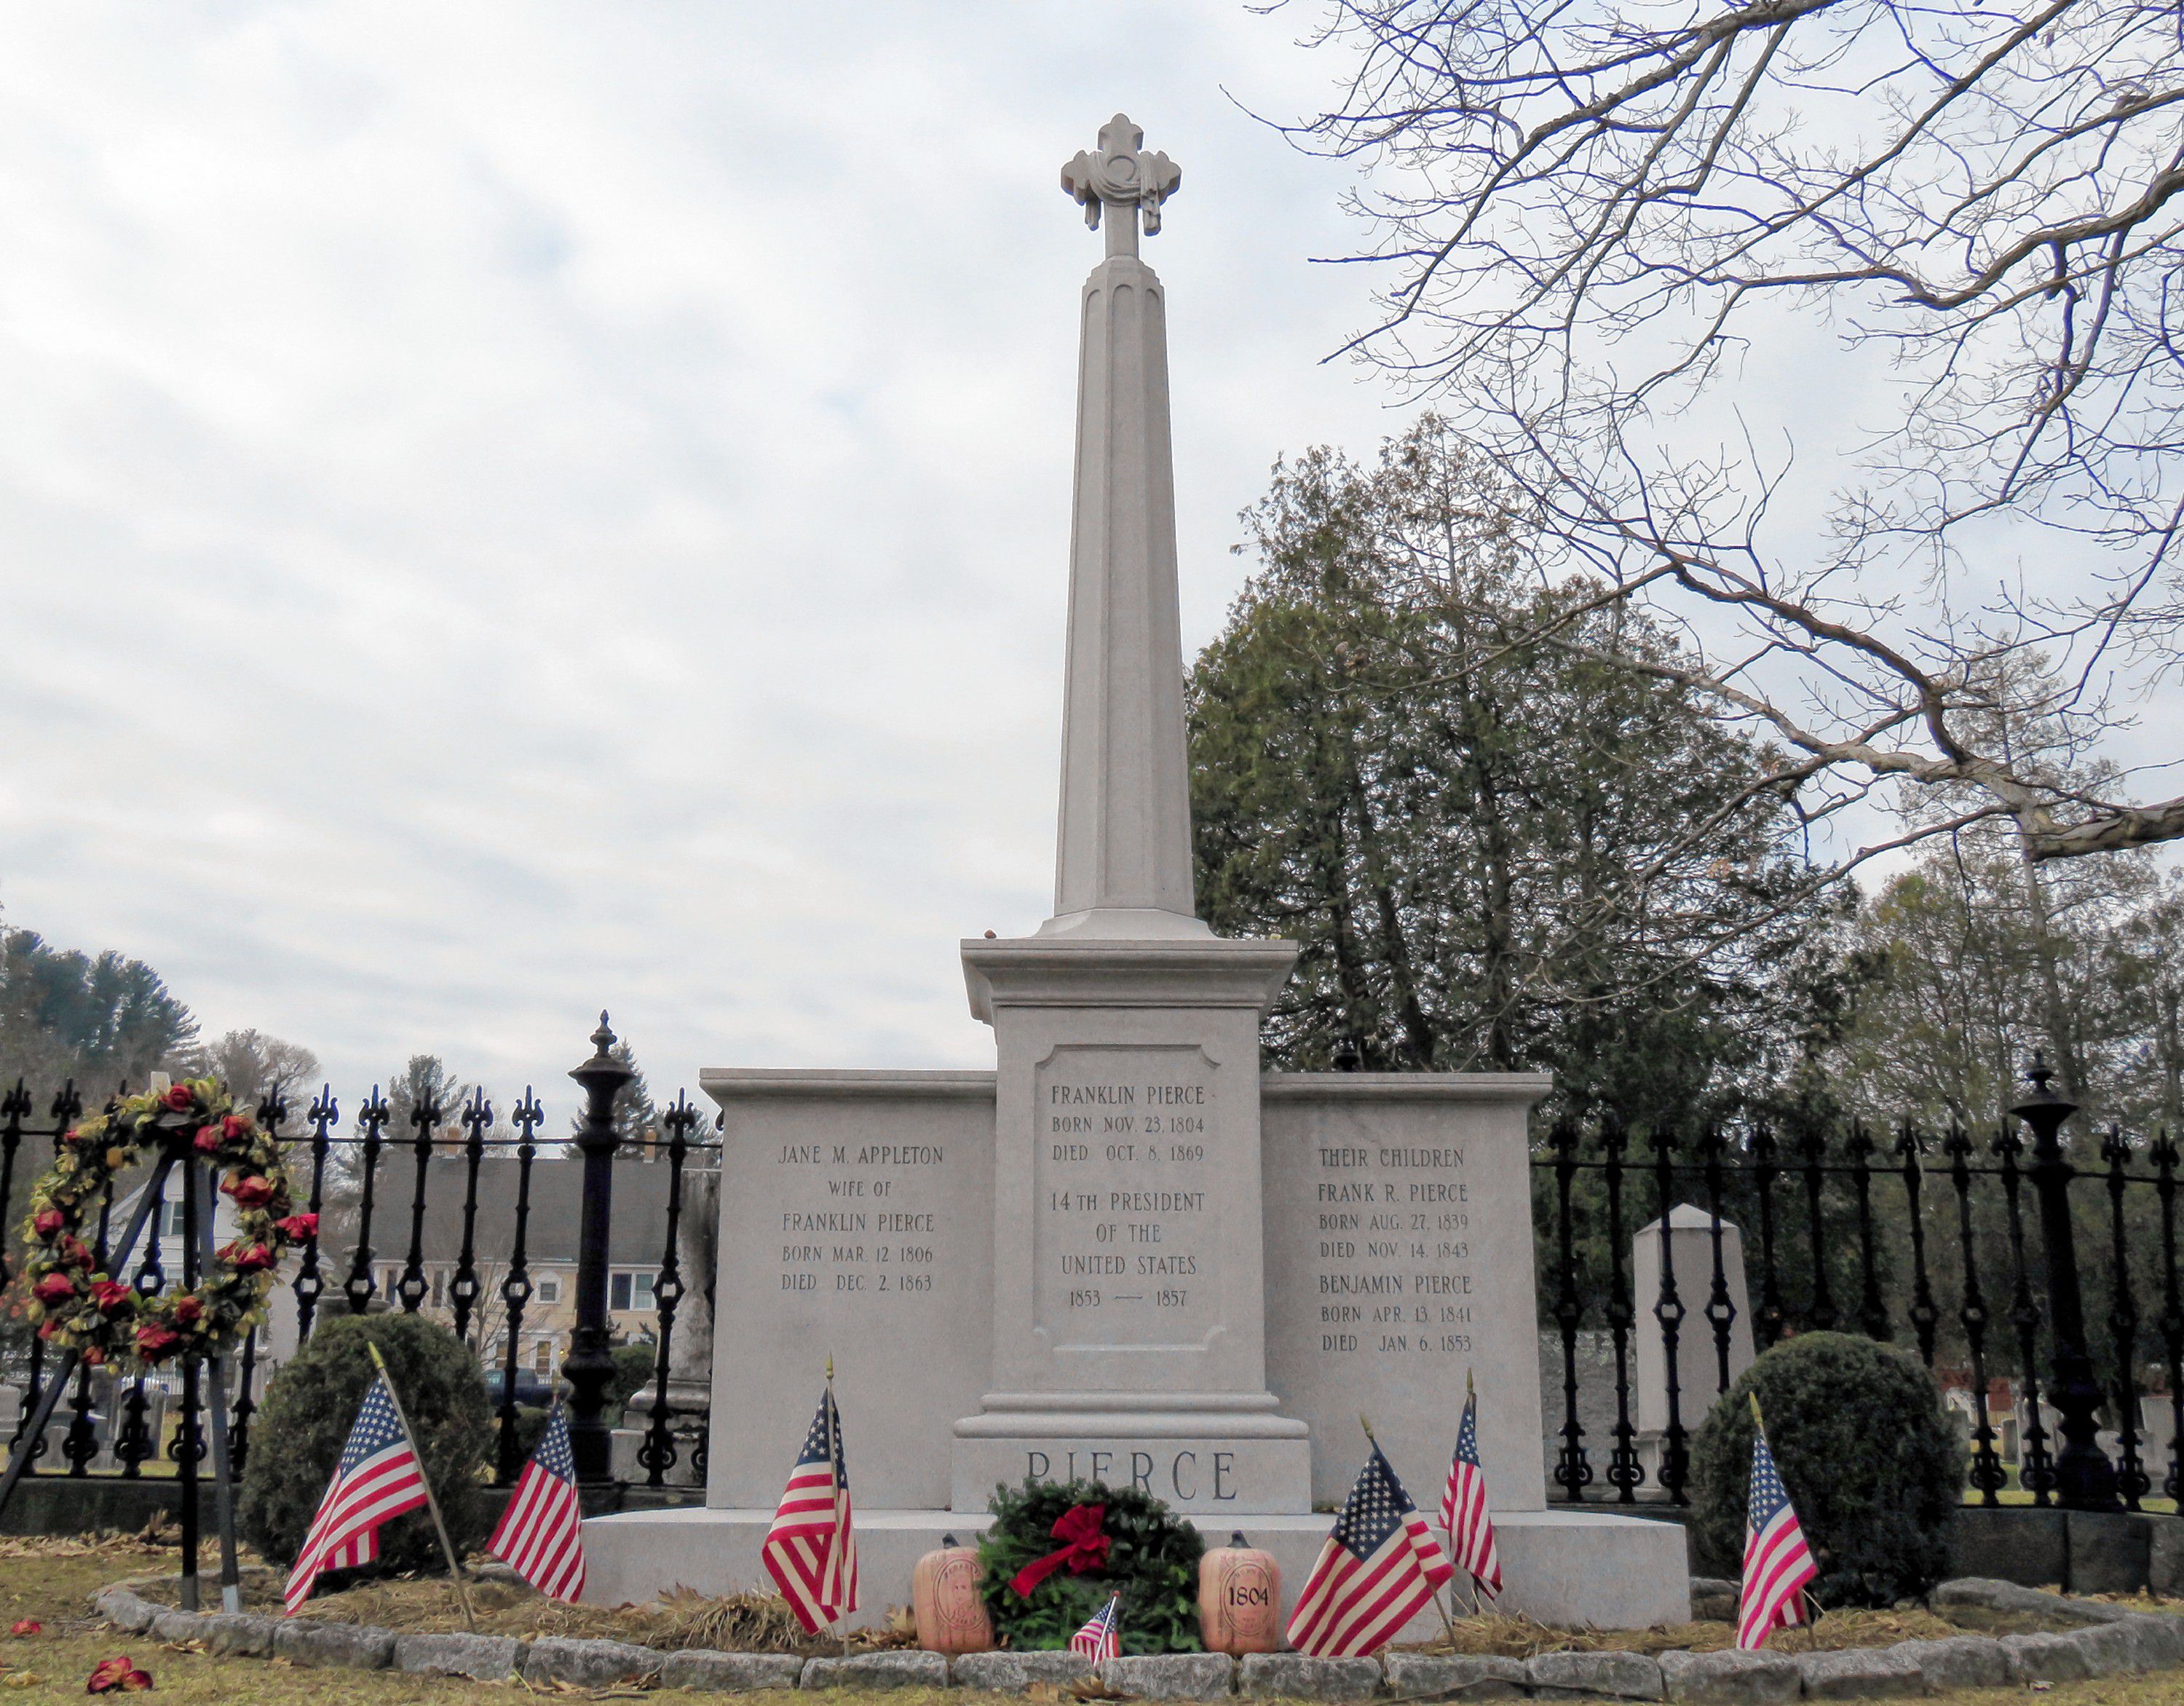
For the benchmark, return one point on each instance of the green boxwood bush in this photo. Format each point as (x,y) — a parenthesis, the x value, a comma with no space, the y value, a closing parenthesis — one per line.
(297,1436)
(1873,1464)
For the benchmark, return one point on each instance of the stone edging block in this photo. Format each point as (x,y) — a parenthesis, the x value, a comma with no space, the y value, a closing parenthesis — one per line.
(482,1658)
(349,1645)
(1171,1675)
(1466,1676)
(729,1673)
(1298,1677)
(1592,1675)
(1012,1673)
(896,1670)
(1860,1673)
(588,1663)
(1731,1678)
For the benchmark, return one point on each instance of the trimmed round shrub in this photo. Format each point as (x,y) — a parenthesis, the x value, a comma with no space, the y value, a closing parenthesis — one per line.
(1152,1562)
(297,1436)
(1871,1460)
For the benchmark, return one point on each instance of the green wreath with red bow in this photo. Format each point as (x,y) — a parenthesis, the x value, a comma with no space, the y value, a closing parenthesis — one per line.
(79,1306)
(1055,1552)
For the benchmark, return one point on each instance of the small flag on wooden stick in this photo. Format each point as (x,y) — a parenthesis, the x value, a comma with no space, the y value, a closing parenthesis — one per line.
(540,1535)
(1777,1562)
(1102,1637)
(1380,1567)
(1464,1518)
(811,1550)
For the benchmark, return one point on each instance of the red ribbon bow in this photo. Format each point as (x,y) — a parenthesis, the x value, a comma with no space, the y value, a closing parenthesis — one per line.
(1083,1547)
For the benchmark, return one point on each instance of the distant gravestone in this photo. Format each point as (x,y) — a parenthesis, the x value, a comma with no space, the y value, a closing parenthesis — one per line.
(1701,1376)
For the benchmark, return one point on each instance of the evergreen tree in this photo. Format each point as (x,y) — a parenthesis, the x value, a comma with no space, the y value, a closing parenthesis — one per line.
(1497,852)
(103,1021)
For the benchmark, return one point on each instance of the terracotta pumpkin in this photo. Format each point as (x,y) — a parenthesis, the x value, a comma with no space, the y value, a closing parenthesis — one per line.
(943,1593)
(1239,1599)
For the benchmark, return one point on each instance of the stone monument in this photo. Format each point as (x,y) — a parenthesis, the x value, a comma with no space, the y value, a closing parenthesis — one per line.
(1127,1253)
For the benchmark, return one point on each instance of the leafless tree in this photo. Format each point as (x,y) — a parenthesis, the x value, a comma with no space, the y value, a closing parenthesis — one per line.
(1588,216)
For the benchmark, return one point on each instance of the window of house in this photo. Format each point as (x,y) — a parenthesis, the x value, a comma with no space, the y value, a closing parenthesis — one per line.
(171,1223)
(439,1286)
(549,1288)
(628,1290)
(542,1357)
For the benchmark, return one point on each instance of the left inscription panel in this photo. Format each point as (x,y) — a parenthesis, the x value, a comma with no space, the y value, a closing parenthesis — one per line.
(856,1220)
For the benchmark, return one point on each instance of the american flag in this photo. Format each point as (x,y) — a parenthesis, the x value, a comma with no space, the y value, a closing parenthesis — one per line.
(1380,1567)
(378,1477)
(1777,1563)
(810,1551)
(540,1535)
(1102,1637)
(1463,1513)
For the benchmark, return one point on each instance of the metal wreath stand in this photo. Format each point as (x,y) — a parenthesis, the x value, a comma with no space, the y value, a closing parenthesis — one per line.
(199,1203)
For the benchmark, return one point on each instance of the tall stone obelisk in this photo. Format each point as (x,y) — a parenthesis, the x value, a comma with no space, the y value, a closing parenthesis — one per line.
(1130,1341)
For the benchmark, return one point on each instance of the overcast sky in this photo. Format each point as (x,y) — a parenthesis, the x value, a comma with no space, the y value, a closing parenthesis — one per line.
(510,509)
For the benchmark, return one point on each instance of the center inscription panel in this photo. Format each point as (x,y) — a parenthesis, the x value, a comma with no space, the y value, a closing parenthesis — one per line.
(1124,1148)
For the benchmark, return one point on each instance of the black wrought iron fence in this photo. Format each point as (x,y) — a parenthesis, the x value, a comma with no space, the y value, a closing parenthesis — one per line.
(387,1237)
(1969,1245)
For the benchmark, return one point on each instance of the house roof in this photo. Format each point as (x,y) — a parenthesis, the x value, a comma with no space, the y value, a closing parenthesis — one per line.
(636,1228)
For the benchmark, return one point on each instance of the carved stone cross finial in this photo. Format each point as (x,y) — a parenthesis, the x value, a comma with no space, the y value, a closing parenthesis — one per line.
(1123,176)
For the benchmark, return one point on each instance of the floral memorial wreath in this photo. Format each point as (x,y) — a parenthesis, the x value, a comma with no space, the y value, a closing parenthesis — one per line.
(79,1306)
(1055,1552)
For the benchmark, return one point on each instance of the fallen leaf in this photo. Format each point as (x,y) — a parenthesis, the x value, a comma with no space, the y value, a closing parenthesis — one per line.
(119,1673)
(21,1679)
(28,1626)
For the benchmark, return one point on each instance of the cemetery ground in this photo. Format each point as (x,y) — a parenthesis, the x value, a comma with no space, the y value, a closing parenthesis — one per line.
(52,1581)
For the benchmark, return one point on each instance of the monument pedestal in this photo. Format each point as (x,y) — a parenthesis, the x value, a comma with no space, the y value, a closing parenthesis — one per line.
(1129,1270)
(1574,1569)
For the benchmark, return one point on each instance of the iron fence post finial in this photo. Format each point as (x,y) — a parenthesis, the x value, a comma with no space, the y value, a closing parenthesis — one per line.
(2085,1479)
(589,1368)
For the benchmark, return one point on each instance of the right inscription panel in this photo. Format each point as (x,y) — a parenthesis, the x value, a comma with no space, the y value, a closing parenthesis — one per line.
(1398,1261)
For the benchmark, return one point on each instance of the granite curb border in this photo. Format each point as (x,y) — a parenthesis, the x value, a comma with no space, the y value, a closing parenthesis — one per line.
(2110,1640)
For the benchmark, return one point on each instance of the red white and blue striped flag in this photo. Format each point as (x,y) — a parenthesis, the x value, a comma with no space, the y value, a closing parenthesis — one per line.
(1463,1514)
(1380,1567)
(377,1479)
(1777,1562)
(540,1535)
(810,1552)
(1102,1637)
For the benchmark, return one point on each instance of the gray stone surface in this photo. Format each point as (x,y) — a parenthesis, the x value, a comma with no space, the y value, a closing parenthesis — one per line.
(1698,1359)
(1298,1676)
(484,1658)
(320,1645)
(2006,1596)
(2047,1658)
(1962,1661)
(1731,1679)
(587,1663)
(2113,1647)
(1713,1600)
(729,1673)
(2165,1555)
(1590,1675)
(2161,1638)
(1873,1673)
(2018,1544)
(124,1610)
(178,1626)
(1171,1675)
(1478,1676)
(876,1670)
(2108,1552)
(236,1633)
(1012,1673)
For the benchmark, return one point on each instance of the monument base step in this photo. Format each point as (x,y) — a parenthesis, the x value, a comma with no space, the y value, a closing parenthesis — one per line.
(1560,1566)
